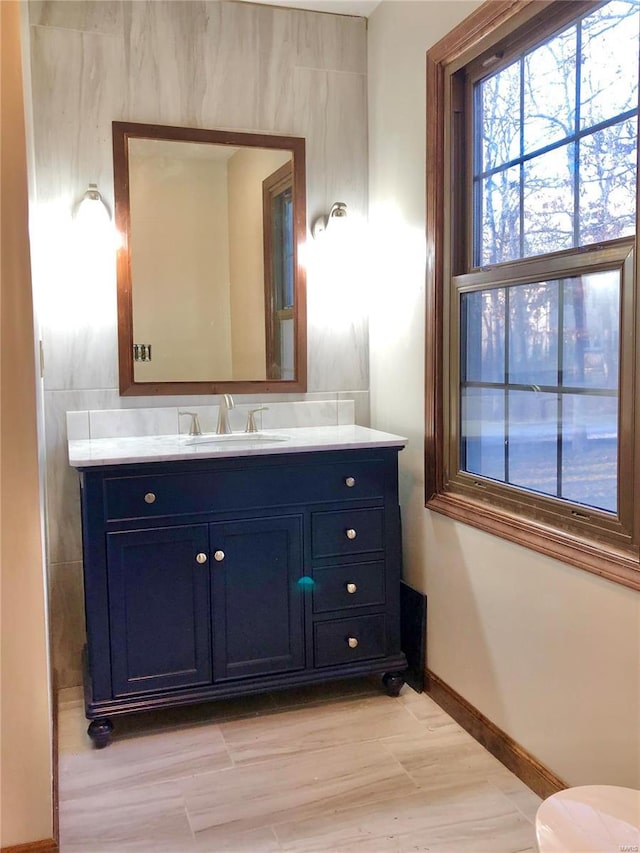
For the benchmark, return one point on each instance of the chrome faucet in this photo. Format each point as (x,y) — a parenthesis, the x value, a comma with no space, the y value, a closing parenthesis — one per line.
(226,405)
(194,428)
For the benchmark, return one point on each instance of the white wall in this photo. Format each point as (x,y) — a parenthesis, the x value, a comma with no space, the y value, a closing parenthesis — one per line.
(549,653)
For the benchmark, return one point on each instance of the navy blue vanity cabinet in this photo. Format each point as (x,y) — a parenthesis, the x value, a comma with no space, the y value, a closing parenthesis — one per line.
(210,578)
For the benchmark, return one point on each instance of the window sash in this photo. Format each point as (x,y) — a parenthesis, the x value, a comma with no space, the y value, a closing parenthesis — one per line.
(466,79)
(610,527)
(538,403)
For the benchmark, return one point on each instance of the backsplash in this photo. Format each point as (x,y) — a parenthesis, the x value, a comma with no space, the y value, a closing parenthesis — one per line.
(117,423)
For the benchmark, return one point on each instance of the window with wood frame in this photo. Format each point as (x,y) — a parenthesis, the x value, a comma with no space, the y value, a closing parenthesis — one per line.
(532,299)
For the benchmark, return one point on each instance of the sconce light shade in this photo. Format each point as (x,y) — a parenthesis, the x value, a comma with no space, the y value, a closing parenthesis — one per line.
(92,206)
(338,213)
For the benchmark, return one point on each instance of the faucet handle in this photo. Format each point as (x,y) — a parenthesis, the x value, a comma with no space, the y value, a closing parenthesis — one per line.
(194,428)
(251,421)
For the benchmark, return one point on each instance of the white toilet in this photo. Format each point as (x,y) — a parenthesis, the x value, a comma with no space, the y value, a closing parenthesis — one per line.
(590,819)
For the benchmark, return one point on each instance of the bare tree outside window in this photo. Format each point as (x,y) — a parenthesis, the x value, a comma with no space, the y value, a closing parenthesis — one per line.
(556,142)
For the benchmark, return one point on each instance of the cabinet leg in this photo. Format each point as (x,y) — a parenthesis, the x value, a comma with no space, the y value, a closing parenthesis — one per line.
(100,732)
(393,682)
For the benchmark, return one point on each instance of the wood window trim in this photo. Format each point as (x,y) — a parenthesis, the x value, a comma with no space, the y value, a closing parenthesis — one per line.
(489,22)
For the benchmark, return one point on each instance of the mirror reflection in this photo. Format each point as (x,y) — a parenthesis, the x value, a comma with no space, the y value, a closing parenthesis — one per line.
(211,294)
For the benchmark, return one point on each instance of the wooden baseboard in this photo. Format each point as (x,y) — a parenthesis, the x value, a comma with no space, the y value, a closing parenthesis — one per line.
(47,845)
(525,766)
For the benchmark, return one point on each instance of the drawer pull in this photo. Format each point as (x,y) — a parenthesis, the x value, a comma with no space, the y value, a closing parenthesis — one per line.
(350,482)
(351,534)
(201,558)
(218,556)
(352,641)
(351,587)
(149,498)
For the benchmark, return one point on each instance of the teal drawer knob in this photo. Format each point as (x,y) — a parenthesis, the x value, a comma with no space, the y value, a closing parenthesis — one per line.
(350,482)
(353,642)
(150,498)
(351,534)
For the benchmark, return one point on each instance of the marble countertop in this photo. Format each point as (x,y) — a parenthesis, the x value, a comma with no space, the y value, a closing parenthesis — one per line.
(87,453)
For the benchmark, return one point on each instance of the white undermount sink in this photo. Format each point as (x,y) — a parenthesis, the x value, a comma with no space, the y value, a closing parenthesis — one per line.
(235,437)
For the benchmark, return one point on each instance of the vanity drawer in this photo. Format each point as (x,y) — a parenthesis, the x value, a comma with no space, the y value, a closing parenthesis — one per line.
(162,494)
(336,534)
(346,640)
(345,586)
(222,489)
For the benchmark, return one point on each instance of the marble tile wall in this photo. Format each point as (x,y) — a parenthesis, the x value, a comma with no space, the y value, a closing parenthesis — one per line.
(205,63)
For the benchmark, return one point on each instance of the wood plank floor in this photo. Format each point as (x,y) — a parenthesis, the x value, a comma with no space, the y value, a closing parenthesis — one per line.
(339,767)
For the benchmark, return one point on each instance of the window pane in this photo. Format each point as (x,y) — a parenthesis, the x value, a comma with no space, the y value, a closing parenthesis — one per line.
(287,251)
(539,437)
(533,441)
(483,321)
(608,183)
(500,125)
(501,217)
(482,431)
(282,248)
(590,450)
(533,334)
(550,91)
(591,323)
(548,201)
(609,73)
(583,190)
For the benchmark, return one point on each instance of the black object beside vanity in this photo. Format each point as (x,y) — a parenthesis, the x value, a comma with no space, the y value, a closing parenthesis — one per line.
(217,577)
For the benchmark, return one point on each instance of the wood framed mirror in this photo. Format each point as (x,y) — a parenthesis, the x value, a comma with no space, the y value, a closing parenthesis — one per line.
(211,288)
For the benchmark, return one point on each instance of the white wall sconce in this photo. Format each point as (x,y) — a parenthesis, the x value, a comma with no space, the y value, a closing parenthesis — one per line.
(92,207)
(337,216)
(95,237)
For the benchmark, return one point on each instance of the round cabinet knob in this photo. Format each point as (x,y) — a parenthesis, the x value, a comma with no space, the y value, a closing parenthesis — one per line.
(218,556)
(353,643)
(150,498)
(201,558)
(351,534)
(351,587)
(350,481)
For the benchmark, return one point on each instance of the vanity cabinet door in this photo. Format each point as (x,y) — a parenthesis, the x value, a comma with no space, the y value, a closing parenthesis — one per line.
(258,614)
(159,604)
